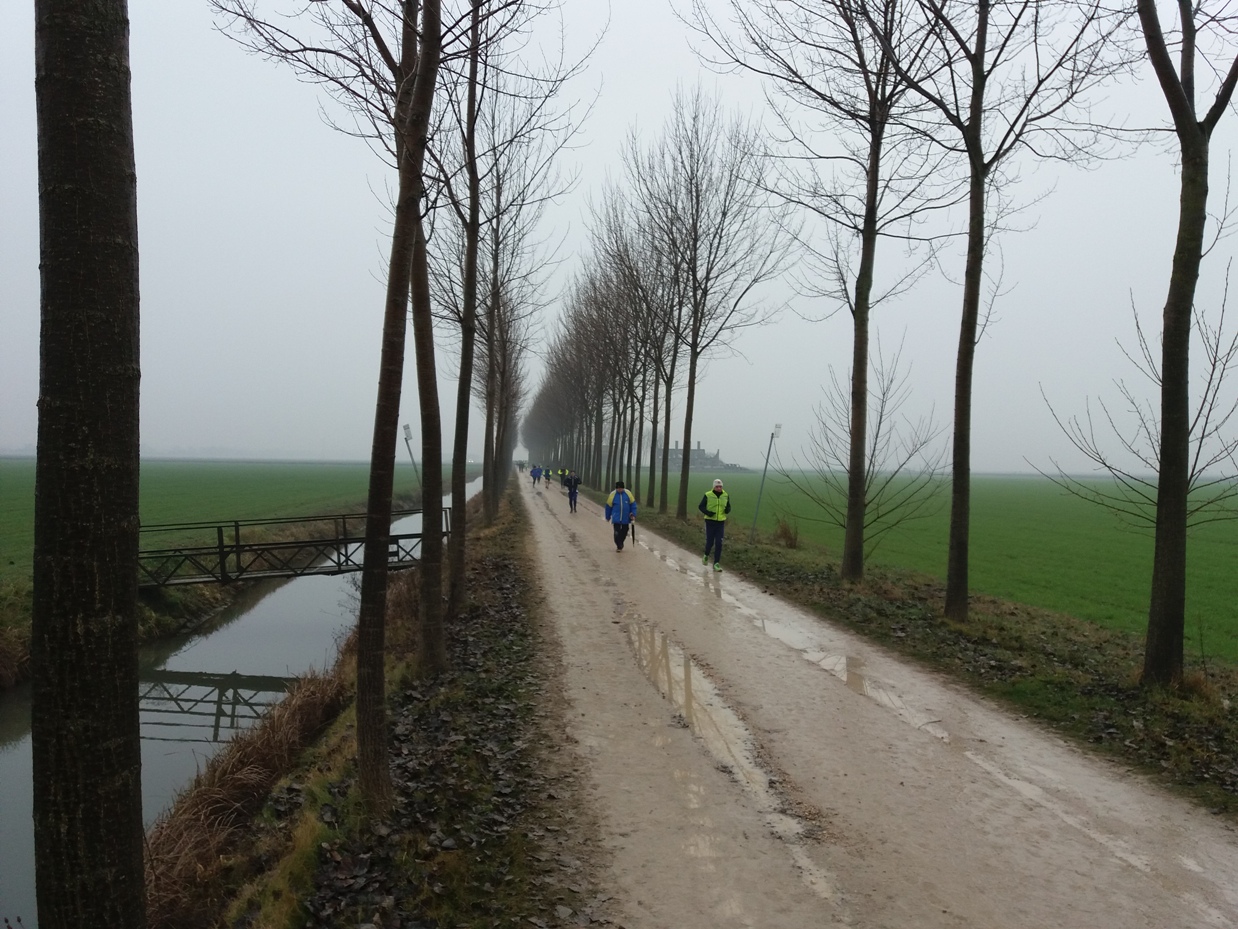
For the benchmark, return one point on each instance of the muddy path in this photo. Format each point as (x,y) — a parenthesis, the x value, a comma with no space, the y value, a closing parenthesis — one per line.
(751,765)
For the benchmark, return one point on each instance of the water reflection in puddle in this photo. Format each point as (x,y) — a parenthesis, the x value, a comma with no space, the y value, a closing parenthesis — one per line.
(724,735)
(811,638)
(806,639)
(848,669)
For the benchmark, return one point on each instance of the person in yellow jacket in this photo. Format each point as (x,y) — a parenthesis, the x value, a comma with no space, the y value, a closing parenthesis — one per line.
(716,504)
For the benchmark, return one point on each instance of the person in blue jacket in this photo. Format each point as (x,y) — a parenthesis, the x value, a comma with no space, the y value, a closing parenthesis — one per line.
(716,504)
(621,512)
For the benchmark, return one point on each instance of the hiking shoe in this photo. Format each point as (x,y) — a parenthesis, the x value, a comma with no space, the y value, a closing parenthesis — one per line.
(704,559)
(717,567)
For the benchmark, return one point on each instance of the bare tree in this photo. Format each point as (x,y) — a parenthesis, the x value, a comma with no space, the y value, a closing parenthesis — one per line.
(1122,441)
(528,135)
(505,383)
(84,720)
(903,460)
(847,159)
(1213,50)
(647,275)
(468,209)
(568,416)
(702,189)
(384,68)
(1003,76)
(509,135)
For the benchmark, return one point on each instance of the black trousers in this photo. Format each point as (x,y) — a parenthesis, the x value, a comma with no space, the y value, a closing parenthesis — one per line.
(621,534)
(714,529)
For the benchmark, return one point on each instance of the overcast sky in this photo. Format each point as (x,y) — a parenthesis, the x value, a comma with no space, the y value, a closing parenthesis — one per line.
(263,236)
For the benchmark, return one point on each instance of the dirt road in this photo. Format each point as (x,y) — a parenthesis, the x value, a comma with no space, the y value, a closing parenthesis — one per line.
(751,765)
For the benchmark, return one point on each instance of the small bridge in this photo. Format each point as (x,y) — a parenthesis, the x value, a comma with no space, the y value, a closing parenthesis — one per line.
(190,706)
(252,549)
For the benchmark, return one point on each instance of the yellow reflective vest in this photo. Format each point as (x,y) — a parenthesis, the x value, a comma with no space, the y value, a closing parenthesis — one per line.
(715,506)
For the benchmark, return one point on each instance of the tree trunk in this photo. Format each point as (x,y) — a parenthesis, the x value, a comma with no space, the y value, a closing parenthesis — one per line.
(960,499)
(973,276)
(489,468)
(433,644)
(653,442)
(852,567)
(681,505)
(1163,652)
(663,492)
(84,720)
(374,778)
(640,441)
(612,444)
(468,329)
(412,121)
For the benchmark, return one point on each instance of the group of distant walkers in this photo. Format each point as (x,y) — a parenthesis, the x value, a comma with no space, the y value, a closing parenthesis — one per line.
(568,479)
(621,509)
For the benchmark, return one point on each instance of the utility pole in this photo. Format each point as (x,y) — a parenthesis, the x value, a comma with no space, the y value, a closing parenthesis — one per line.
(773,435)
(408,443)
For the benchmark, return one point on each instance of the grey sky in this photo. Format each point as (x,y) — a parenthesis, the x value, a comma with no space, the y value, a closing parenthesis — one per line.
(263,237)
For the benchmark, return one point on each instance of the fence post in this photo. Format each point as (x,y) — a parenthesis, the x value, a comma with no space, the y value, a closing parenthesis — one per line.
(223,555)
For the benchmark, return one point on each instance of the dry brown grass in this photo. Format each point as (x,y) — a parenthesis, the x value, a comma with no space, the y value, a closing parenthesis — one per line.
(403,608)
(188,847)
(787,533)
(14,656)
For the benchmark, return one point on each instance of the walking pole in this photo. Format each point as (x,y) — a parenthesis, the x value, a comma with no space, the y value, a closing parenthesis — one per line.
(773,435)
(632,518)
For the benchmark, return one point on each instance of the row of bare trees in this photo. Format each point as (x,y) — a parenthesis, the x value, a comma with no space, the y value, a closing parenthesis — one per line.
(677,257)
(471,179)
(892,114)
(933,101)
(472,175)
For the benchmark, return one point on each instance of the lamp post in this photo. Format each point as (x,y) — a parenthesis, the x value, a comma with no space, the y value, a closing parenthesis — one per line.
(408,443)
(773,435)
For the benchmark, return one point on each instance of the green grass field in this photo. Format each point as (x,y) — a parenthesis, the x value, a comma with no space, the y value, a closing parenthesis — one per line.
(1031,542)
(199,491)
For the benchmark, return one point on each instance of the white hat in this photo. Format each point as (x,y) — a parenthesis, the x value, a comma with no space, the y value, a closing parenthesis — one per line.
(717,482)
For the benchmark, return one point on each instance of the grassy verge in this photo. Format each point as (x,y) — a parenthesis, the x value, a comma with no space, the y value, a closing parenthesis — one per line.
(192,852)
(1076,676)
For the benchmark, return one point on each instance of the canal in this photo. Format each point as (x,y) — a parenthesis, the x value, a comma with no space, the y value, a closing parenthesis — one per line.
(196,692)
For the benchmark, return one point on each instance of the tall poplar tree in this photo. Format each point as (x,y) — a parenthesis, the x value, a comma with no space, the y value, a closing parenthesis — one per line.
(84,722)
(1167,606)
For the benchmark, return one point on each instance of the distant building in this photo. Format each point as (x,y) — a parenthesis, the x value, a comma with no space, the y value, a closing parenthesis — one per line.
(701,460)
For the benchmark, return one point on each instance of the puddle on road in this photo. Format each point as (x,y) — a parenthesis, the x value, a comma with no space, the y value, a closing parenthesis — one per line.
(848,669)
(806,637)
(724,735)
(807,641)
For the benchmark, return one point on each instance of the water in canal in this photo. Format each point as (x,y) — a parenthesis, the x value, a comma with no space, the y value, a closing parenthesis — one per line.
(191,703)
